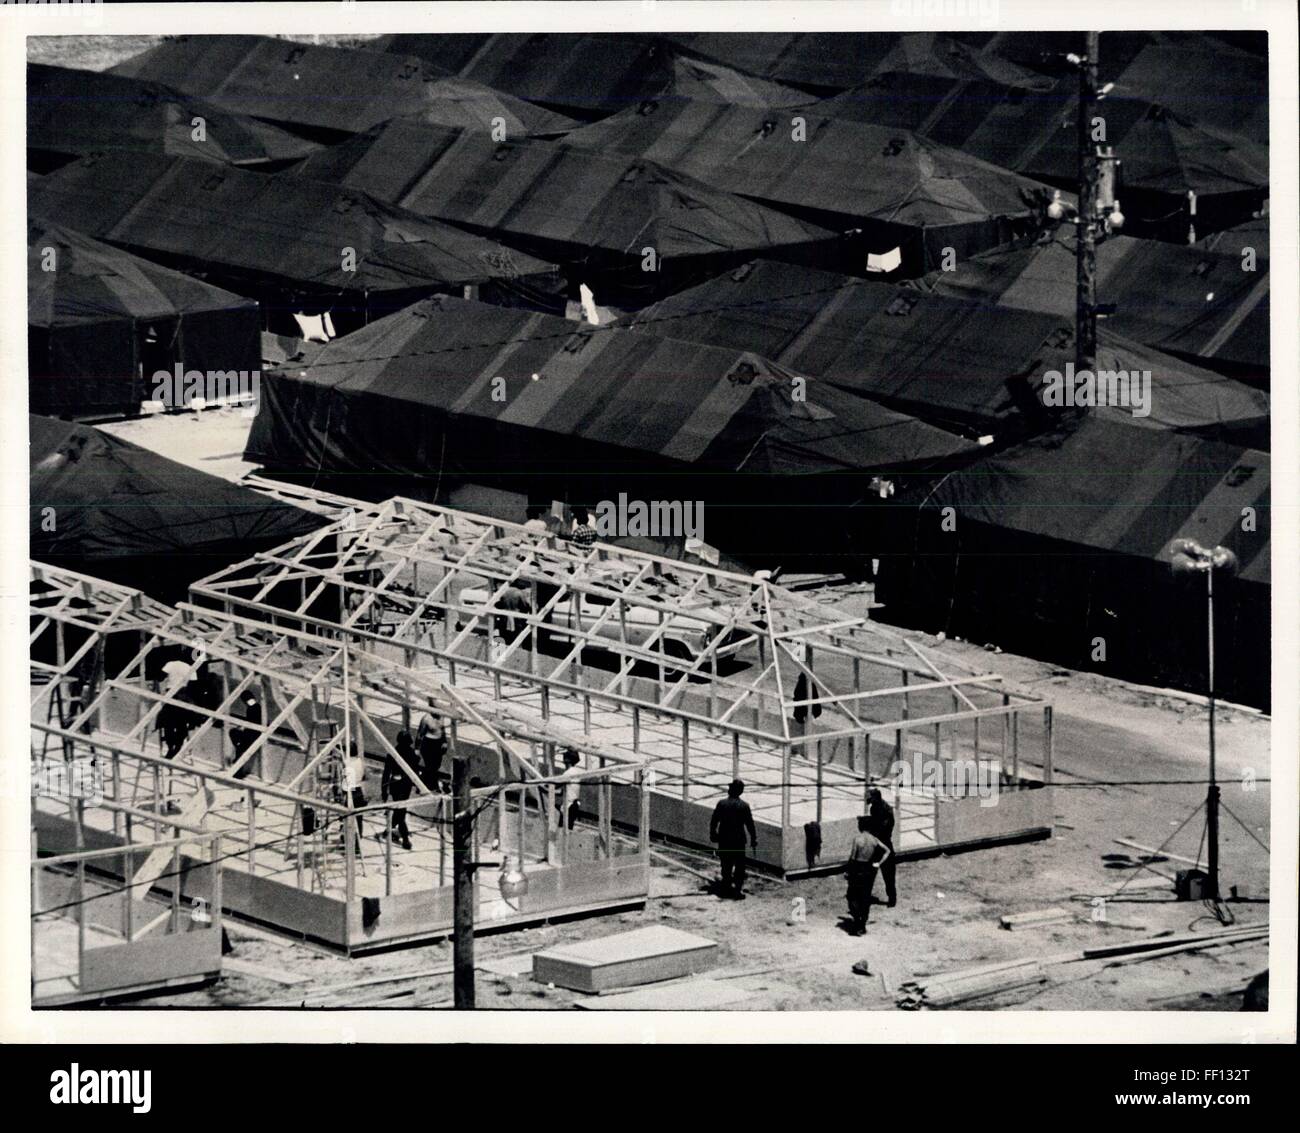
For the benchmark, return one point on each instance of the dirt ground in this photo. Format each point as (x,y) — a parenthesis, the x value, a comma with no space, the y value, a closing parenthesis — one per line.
(946,918)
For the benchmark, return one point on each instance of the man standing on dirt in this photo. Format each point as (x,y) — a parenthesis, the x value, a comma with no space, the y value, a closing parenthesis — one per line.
(396,785)
(861,871)
(881,815)
(732,819)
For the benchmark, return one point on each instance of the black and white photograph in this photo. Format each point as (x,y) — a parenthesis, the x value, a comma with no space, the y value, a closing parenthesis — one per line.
(588,517)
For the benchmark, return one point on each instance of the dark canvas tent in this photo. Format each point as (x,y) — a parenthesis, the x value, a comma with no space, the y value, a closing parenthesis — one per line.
(947,57)
(1165,155)
(1206,82)
(816,61)
(461,102)
(450,390)
(595,212)
(282,238)
(585,74)
(72,113)
(331,90)
(1070,531)
(108,508)
(1045,51)
(100,322)
(904,191)
(834,61)
(1250,235)
(956,364)
(1195,302)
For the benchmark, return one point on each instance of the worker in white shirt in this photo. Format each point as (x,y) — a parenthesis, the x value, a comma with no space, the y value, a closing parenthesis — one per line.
(354,775)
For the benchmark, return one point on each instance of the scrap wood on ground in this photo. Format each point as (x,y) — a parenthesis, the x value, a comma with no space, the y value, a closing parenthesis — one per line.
(949,989)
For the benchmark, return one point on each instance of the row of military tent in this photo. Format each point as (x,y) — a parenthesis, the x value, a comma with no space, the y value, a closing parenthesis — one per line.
(541,84)
(1207,303)
(1176,176)
(293,243)
(597,74)
(745,182)
(450,391)
(1058,548)
(329,92)
(905,197)
(968,367)
(973,100)
(631,229)
(72,113)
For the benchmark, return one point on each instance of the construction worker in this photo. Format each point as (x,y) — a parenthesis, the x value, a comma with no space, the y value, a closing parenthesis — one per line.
(354,775)
(865,858)
(569,805)
(431,737)
(395,784)
(732,819)
(882,826)
(515,598)
(583,535)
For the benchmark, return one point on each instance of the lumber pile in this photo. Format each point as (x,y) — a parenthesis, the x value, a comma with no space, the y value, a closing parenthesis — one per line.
(949,989)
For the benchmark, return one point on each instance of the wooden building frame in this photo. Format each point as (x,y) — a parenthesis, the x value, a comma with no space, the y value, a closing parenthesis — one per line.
(296,857)
(97,936)
(811,706)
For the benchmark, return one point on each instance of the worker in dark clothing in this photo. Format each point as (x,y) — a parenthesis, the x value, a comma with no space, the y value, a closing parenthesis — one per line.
(175,723)
(515,599)
(431,735)
(881,815)
(569,800)
(864,859)
(395,784)
(732,819)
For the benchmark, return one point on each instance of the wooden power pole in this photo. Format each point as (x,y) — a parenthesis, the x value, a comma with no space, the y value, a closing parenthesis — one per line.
(1089,173)
(1212,791)
(462,880)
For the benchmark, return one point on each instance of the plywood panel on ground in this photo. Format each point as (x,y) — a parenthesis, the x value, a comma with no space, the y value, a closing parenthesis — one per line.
(625,959)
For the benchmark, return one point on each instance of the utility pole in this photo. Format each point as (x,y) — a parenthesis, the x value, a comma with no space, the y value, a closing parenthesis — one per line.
(1085,316)
(462,880)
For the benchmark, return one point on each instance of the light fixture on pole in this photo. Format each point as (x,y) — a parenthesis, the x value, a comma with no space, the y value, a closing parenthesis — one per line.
(1097,213)
(1189,557)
